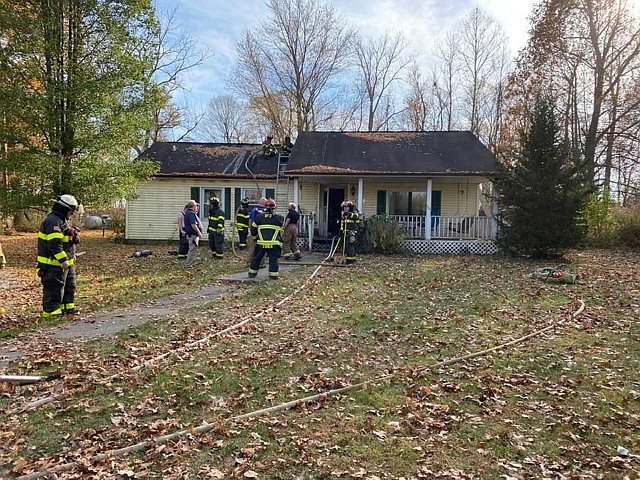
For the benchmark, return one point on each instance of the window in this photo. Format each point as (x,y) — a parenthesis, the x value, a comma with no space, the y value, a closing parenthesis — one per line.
(253,194)
(408,203)
(202,195)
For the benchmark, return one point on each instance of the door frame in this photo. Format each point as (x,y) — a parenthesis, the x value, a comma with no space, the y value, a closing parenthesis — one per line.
(323,226)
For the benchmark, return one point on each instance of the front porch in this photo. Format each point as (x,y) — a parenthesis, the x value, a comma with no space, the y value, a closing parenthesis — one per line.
(448,235)
(447,227)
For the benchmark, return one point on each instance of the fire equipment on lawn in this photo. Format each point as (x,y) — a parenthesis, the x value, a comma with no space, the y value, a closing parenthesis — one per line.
(553,275)
(142,253)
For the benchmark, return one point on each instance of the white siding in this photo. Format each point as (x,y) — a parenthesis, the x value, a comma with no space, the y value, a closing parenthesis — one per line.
(461,198)
(153,214)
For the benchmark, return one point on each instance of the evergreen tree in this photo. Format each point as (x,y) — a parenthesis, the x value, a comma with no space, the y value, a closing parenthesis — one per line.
(541,193)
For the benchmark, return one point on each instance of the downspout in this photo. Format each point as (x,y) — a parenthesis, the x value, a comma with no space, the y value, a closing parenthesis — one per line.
(427,225)
(360,193)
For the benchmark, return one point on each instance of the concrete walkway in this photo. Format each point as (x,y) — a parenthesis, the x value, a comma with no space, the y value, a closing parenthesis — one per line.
(109,323)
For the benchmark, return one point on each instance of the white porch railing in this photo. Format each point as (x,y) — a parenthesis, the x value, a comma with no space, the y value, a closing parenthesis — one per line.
(447,226)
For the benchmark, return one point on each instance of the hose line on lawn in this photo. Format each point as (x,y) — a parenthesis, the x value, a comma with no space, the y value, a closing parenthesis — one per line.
(207,427)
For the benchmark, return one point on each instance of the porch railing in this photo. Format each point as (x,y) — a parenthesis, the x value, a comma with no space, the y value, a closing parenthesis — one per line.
(305,223)
(447,226)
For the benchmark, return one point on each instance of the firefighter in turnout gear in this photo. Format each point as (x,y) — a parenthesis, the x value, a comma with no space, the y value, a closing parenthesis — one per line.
(268,229)
(216,228)
(57,242)
(242,223)
(350,226)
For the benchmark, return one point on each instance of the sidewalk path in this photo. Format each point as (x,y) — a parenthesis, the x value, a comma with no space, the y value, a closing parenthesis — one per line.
(109,323)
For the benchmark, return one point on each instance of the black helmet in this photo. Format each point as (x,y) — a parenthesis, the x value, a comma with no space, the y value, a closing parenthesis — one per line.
(214,200)
(244,201)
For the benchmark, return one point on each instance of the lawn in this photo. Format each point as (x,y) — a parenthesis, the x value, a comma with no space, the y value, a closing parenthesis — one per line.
(108,277)
(557,406)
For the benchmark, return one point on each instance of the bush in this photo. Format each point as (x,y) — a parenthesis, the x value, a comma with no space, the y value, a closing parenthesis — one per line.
(627,227)
(611,226)
(382,235)
(598,216)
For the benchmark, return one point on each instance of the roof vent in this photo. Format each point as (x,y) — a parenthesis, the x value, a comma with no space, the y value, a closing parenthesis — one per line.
(173,148)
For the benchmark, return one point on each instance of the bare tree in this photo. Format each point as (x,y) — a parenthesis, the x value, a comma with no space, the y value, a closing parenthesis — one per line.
(447,69)
(380,63)
(287,64)
(176,52)
(587,53)
(416,100)
(482,51)
(226,120)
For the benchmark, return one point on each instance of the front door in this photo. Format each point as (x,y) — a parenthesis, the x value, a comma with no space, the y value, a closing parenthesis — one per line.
(334,210)
(436,207)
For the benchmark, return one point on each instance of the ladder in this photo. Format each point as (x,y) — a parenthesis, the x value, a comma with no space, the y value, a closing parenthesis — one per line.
(282,182)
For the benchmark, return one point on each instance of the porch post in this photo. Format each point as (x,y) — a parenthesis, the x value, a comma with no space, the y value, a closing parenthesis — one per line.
(296,194)
(427,226)
(360,193)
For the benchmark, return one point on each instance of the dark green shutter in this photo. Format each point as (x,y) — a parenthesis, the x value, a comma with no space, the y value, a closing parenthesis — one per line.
(237,195)
(271,192)
(227,203)
(381,205)
(195,194)
(410,203)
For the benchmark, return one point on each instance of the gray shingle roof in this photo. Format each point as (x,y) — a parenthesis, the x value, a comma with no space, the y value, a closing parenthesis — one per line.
(390,153)
(211,159)
(333,153)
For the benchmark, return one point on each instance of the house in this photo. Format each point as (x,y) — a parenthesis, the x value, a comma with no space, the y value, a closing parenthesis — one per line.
(435,183)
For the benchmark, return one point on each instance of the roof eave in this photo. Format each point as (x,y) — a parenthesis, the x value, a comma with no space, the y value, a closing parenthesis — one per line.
(300,173)
(213,175)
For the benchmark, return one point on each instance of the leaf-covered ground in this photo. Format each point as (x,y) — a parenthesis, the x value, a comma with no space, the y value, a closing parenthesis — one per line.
(557,406)
(108,277)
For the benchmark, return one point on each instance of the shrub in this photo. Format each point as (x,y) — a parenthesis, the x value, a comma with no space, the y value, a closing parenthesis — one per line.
(383,235)
(611,226)
(626,227)
(598,216)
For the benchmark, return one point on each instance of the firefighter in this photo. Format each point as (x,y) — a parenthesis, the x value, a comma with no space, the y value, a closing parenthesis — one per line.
(57,242)
(257,210)
(267,227)
(216,228)
(290,236)
(350,225)
(242,223)
(268,148)
(287,146)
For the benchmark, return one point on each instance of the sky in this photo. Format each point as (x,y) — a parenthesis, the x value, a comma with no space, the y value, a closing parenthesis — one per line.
(218,25)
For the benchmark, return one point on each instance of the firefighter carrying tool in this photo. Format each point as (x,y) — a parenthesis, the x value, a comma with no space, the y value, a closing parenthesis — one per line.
(350,225)
(268,228)
(216,228)
(56,257)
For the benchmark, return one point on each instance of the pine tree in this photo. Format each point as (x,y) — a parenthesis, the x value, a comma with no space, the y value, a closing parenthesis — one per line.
(540,193)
